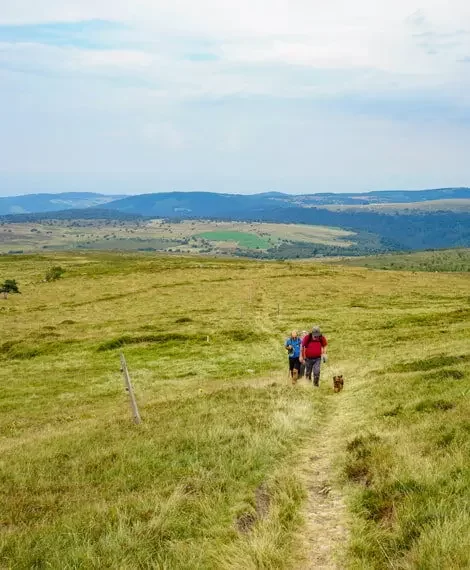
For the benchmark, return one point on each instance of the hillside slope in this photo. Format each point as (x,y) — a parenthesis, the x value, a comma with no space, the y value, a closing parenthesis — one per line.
(212,204)
(33,203)
(224,469)
(384,221)
(395,229)
(440,260)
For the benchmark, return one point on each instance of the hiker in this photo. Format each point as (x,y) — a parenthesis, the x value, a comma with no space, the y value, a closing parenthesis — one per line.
(313,352)
(303,334)
(293,346)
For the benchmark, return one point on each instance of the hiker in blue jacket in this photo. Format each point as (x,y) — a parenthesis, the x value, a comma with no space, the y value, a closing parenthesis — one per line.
(293,347)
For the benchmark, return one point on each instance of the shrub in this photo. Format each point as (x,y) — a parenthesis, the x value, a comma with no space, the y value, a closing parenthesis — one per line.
(54,273)
(9,286)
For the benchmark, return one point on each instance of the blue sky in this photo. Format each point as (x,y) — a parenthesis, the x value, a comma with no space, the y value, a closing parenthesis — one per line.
(234,96)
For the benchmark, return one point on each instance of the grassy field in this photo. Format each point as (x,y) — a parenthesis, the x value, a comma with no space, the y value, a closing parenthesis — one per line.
(240,239)
(217,474)
(439,260)
(161,235)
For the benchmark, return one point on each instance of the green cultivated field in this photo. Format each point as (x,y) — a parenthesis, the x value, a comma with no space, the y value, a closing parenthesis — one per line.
(231,467)
(242,239)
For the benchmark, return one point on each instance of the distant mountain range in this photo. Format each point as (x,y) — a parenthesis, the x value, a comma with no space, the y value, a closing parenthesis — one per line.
(189,204)
(418,219)
(34,203)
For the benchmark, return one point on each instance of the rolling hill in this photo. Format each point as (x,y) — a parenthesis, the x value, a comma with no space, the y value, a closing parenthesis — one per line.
(445,260)
(383,221)
(209,204)
(232,467)
(33,203)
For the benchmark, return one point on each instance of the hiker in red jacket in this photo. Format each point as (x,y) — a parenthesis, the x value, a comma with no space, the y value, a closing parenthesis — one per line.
(313,353)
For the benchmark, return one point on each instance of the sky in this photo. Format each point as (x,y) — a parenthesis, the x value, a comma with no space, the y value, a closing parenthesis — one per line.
(295,96)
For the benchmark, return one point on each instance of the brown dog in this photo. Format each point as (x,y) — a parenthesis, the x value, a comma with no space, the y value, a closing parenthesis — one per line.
(338,383)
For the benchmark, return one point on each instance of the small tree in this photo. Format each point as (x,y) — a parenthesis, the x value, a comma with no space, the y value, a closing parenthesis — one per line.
(54,273)
(9,286)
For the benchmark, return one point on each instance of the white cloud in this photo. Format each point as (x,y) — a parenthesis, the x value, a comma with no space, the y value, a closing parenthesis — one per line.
(200,88)
(335,34)
(113,58)
(263,17)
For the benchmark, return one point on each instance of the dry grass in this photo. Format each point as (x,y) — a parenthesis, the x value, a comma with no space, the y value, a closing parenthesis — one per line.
(438,260)
(83,487)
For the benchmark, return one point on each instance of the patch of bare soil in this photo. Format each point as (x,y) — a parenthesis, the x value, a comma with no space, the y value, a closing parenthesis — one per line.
(246,521)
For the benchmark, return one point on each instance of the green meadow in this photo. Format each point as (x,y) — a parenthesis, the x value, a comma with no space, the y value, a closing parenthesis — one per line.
(243,239)
(231,464)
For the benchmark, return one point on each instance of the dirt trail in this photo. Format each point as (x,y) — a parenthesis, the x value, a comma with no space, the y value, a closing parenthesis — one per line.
(326,528)
(326,518)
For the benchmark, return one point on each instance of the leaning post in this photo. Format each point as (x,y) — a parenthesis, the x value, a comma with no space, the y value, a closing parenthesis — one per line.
(130,390)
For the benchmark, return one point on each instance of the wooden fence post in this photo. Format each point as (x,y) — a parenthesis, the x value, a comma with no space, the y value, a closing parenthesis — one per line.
(130,390)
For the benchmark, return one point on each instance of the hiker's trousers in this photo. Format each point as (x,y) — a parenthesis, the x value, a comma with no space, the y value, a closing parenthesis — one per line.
(313,365)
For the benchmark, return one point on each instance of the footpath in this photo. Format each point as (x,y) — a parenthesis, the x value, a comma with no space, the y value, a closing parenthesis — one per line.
(326,517)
